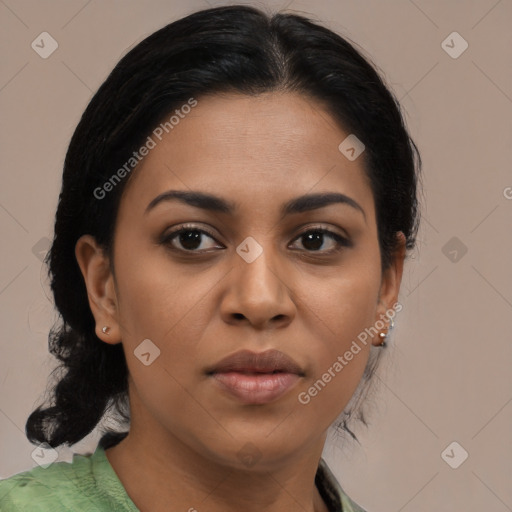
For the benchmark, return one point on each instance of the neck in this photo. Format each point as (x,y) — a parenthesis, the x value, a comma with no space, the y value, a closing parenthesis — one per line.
(161,473)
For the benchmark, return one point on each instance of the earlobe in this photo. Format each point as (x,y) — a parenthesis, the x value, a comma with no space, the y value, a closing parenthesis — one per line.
(98,278)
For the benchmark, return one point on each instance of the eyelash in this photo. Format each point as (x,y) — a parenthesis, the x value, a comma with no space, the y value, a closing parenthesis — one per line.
(341,241)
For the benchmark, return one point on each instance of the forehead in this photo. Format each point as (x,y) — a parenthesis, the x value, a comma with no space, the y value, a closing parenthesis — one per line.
(250,148)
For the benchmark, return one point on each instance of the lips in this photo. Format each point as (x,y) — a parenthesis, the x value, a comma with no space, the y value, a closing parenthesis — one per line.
(244,361)
(256,378)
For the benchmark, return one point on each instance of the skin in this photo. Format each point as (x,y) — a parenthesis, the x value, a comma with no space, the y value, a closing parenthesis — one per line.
(185,434)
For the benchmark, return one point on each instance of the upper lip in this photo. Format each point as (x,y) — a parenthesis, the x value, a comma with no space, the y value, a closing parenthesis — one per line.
(262,362)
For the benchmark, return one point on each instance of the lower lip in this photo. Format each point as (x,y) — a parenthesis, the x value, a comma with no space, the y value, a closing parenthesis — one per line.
(259,388)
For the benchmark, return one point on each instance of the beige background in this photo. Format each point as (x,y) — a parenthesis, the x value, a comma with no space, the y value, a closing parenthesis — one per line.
(447,375)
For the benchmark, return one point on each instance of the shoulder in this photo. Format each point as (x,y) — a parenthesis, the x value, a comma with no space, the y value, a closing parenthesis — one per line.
(60,486)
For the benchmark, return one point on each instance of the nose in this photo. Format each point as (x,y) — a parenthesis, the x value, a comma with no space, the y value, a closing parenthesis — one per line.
(259,294)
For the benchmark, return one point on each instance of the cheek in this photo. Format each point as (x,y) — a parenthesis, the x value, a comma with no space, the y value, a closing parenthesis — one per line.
(172,307)
(157,298)
(344,303)
(342,312)
(159,304)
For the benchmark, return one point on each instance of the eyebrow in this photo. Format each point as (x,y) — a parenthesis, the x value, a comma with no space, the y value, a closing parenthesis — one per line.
(217,204)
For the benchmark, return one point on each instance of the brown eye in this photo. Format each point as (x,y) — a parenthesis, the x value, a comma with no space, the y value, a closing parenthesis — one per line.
(314,240)
(189,239)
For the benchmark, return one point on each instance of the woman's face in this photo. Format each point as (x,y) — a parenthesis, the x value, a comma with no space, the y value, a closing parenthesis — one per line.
(249,277)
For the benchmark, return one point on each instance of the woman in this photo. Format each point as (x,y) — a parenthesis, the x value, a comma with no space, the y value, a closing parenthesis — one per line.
(237,203)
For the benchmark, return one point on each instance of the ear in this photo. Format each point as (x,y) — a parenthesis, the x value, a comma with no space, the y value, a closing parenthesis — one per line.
(99,281)
(390,284)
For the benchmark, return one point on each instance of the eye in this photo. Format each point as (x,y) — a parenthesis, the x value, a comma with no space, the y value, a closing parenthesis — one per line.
(188,239)
(314,239)
(191,239)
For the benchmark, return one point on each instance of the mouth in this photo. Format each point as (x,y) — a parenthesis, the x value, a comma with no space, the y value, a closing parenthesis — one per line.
(256,378)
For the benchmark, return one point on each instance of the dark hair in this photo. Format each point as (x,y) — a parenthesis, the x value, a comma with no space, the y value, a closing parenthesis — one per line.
(226,49)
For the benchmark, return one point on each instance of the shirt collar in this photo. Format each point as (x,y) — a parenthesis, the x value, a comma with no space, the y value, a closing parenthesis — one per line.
(331,491)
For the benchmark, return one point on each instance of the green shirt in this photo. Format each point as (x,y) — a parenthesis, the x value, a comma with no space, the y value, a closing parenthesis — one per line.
(89,483)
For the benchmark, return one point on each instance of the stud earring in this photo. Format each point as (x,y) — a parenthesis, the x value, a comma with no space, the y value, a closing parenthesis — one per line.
(384,335)
(106,329)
